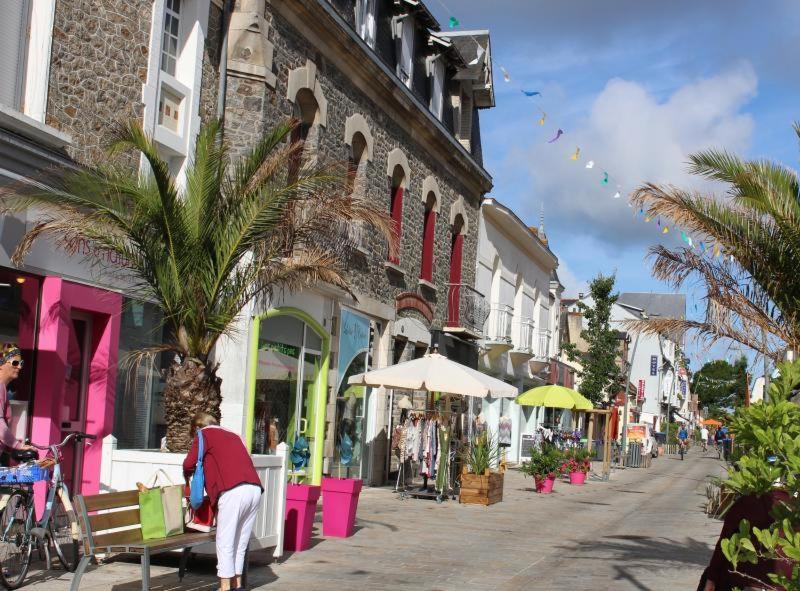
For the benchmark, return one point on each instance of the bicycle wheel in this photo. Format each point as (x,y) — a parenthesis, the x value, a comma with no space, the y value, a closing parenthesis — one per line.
(15,540)
(64,533)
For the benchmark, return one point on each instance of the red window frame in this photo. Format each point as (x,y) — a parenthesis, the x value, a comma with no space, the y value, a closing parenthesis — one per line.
(428,236)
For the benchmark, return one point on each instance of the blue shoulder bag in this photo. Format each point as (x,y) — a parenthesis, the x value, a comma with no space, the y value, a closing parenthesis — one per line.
(197,489)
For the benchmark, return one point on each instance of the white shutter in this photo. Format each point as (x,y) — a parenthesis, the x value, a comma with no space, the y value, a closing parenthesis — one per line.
(369,35)
(13,44)
(407,51)
(437,92)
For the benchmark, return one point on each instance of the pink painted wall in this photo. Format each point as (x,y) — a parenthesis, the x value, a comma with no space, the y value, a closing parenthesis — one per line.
(59,298)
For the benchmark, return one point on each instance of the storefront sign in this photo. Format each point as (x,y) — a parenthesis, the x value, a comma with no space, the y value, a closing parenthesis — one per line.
(527,446)
(354,339)
(683,387)
(636,433)
(640,391)
(653,365)
(289,350)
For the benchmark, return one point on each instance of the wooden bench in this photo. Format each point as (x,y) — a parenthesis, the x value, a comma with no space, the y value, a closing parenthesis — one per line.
(102,533)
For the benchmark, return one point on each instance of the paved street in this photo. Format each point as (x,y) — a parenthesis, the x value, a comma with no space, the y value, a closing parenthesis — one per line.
(644,530)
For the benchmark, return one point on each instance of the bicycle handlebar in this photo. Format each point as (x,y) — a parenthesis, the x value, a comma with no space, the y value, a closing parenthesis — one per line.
(76,435)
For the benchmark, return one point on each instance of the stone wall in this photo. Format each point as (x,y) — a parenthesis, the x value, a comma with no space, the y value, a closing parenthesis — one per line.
(99,58)
(252,107)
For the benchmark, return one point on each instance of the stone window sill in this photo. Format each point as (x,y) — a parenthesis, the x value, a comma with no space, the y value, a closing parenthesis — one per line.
(427,285)
(394,268)
(32,129)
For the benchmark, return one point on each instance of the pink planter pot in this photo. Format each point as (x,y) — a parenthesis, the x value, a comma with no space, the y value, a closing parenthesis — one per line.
(577,477)
(301,506)
(339,505)
(545,486)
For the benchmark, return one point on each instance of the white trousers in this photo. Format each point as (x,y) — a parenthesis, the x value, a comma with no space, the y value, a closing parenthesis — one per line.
(236,515)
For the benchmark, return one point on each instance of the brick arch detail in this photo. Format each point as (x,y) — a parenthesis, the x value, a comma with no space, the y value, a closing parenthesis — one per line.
(429,185)
(356,123)
(398,158)
(414,301)
(458,208)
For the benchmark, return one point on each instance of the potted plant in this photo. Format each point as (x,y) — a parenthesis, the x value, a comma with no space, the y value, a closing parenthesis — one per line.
(577,465)
(544,466)
(340,495)
(479,484)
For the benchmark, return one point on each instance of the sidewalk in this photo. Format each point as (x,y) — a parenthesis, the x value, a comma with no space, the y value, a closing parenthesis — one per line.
(645,529)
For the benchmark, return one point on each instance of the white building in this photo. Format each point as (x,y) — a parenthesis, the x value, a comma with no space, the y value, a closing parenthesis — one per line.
(516,270)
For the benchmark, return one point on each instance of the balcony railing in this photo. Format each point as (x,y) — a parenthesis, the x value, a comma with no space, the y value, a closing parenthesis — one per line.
(498,329)
(542,344)
(466,308)
(524,341)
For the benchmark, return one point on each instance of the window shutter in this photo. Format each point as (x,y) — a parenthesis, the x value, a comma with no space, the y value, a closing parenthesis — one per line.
(371,24)
(429,225)
(13,44)
(407,51)
(465,123)
(437,93)
(397,217)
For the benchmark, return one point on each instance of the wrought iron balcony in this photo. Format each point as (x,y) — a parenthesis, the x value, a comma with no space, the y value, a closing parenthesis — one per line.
(541,350)
(466,310)
(498,329)
(524,341)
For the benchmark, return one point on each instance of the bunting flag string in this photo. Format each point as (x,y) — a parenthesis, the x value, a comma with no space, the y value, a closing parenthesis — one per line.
(454,22)
(605,178)
(531,93)
(542,118)
(559,133)
(576,154)
(590,164)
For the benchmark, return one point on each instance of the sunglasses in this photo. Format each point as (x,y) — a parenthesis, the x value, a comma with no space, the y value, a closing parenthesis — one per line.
(17,363)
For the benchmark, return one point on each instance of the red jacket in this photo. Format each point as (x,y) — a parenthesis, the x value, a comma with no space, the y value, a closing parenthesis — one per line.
(226,462)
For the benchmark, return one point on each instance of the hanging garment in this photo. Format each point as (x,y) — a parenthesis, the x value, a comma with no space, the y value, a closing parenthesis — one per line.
(444,454)
(504,431)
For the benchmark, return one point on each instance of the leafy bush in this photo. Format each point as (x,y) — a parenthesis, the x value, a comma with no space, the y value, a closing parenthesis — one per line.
(768,436)
(543,463)
(481,454)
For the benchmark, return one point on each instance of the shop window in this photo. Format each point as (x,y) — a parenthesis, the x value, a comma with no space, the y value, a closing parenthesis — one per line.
(428,237)
(19,307)
(139,421)
(289,358)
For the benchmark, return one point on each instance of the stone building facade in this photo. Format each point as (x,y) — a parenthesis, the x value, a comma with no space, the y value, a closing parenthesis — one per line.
(341,68)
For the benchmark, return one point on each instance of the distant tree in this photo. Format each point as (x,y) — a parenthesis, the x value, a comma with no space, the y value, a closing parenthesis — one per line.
(601,377)
(720,385)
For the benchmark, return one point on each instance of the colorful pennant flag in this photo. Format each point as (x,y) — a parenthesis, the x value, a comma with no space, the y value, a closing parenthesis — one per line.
(481,51)
(576,154)
(684,237)
(605,178)
(702,247)
(617,195)
(647,218)
(559,133)
(716,250)
(590,164)
(665,230)
(454,22)
(542,118)
(506,76)
(531,93)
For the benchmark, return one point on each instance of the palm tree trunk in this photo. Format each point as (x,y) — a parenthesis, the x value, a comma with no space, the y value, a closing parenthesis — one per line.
(191,387)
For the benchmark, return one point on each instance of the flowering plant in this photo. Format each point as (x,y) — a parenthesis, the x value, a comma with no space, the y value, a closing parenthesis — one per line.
(543,464)
(576,460)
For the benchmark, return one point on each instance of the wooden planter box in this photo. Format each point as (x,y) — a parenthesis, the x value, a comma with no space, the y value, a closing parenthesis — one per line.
(484,489)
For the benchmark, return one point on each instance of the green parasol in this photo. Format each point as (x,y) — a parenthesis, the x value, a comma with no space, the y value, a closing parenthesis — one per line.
(554,396)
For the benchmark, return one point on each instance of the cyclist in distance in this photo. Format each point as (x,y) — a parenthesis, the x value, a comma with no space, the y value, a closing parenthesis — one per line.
(11,364)
(683,437)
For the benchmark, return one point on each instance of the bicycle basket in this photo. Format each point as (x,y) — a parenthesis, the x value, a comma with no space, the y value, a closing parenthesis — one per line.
(23,474)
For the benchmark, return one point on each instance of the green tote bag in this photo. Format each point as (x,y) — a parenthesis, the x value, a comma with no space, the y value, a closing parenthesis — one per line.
(151,514)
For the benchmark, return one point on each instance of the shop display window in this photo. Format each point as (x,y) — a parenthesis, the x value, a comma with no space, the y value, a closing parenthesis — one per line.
(139,421)
(19,308)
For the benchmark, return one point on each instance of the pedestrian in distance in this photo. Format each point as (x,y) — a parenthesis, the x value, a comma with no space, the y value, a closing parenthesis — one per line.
(234,490)
(704,438)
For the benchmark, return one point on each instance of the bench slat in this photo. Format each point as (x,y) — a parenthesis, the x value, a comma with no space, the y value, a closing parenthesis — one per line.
(115,500)
(119,538)
(132,541)
(105,521)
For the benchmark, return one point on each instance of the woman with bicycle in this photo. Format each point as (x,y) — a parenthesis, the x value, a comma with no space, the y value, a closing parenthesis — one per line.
(11,364)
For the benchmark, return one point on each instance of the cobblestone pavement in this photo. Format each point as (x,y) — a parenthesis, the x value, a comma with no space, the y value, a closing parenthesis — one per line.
(643,530)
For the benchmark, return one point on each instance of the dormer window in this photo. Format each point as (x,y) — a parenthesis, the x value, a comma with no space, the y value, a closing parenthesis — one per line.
(365,21)
(437,86)
(405,63)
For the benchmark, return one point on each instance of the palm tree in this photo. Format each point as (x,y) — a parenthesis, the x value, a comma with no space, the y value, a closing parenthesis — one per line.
(749,267)
(235,232)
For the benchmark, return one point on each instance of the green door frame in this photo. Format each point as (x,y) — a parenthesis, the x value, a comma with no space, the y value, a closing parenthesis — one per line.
(320,383)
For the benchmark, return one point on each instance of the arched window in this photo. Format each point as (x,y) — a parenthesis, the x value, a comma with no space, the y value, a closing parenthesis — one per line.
(356,163)
(306,111)
(397,187)
(428,237)
(456,259)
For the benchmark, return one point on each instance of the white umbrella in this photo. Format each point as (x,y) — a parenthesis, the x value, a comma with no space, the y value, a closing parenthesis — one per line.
(436,373)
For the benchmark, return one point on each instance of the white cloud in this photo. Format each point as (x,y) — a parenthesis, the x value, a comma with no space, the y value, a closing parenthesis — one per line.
(636,137)
(572,285)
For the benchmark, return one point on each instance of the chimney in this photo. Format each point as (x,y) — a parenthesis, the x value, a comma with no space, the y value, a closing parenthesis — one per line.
(580,295)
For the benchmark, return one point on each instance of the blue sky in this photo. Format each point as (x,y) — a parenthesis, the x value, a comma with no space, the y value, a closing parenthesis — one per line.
(637,85)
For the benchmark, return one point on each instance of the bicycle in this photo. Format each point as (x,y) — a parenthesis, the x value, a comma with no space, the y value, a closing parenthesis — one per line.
(19,529)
